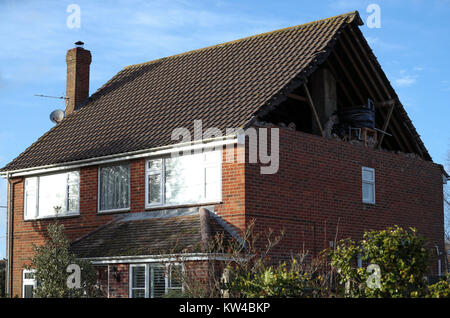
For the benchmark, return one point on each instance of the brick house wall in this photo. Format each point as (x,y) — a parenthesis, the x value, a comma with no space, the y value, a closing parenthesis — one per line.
(35,231)
(319,182)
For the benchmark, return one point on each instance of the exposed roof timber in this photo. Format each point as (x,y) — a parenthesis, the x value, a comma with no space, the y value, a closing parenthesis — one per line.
(373,68)
(339,82)
(341,69)
(313,109)
(410,145)
(349,77)
(401,134)
(390,92)
(361,63)
(357,69)
(388,103)
(373,91)
(298,97)
(386,124)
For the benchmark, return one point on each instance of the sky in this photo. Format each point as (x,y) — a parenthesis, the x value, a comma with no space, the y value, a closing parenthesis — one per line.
(411,44)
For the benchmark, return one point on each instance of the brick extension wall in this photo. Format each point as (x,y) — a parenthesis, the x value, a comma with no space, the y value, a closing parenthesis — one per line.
(319,183)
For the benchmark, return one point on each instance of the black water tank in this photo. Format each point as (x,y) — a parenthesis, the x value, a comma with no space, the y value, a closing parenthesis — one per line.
(358,117)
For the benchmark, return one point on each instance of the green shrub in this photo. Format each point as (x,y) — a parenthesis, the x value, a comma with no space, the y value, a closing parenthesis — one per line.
(50,263)
(402,255)
(440,290)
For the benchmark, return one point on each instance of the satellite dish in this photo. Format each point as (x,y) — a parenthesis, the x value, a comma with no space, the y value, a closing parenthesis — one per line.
(57,116)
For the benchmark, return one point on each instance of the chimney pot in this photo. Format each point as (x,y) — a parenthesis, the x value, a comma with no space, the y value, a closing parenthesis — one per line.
(78,64)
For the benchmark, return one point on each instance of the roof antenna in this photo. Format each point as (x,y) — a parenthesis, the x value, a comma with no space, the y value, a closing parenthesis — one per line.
(57,115)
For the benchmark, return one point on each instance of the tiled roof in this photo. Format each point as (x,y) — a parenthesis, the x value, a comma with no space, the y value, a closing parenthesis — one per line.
(137,234)
(223,85)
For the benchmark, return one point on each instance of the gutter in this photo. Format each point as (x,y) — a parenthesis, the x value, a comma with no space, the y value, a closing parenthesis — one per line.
(157,151)
(167,258)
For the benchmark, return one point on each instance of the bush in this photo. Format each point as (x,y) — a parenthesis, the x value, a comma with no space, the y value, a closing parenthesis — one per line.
(50,263)
(402,256)
(440,290)
(298,280)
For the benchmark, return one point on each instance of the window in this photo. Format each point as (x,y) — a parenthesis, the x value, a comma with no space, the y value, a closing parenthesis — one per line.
(154,280)
(368,185)
(114,188)
(185,179)
(28,283)
(52,195)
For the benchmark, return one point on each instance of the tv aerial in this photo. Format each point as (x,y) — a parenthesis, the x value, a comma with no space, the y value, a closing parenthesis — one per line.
(57,115)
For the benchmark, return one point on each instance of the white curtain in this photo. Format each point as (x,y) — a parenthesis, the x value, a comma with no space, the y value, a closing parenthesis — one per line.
(114,187)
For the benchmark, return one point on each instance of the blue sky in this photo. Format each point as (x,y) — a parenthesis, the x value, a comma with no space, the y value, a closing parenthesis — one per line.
(412,46)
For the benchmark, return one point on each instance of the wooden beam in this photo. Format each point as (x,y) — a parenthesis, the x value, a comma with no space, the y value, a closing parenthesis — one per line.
(387,103)
(313,109)
(363,65)
(374,70)
(355,66)
(400,132)
(386,123)
(349,78)
(339,81)
(298,97)
(399,136)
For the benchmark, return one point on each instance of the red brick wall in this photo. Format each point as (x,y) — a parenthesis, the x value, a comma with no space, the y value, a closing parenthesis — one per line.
(119,276)
(319,183)
(28,232)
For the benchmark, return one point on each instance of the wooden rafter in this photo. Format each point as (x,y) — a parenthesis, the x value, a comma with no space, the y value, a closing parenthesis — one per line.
(358,71)
(349,78)
(363,65)
(400,132)
(402,141)
(298,97)
(339,81)
(386,123)
(313,109)
(374,70)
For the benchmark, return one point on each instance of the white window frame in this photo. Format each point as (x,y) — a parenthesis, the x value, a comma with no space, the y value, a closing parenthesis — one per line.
(28,281)
(99,188)
(371,182)
(162,203)
(148,266)
(55,215)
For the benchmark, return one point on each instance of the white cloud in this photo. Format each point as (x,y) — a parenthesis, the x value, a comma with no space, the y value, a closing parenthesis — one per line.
(406,80)
(378,44)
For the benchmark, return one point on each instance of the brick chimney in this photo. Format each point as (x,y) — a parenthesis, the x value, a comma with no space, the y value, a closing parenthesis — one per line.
(77,90)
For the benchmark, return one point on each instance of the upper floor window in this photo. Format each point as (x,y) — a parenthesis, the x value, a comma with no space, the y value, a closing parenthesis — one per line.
(368,185)
(114,188)
(188,179)
(52,195)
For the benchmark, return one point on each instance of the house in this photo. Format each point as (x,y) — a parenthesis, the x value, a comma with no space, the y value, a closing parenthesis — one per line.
(344,157)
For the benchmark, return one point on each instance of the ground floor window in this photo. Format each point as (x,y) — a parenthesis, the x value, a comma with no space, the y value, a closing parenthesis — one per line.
(28,284)
(154,280)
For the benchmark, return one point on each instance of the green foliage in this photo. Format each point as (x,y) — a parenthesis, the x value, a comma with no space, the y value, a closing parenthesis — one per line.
(440,290)
(402,256)
(50,263)
(297,281)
